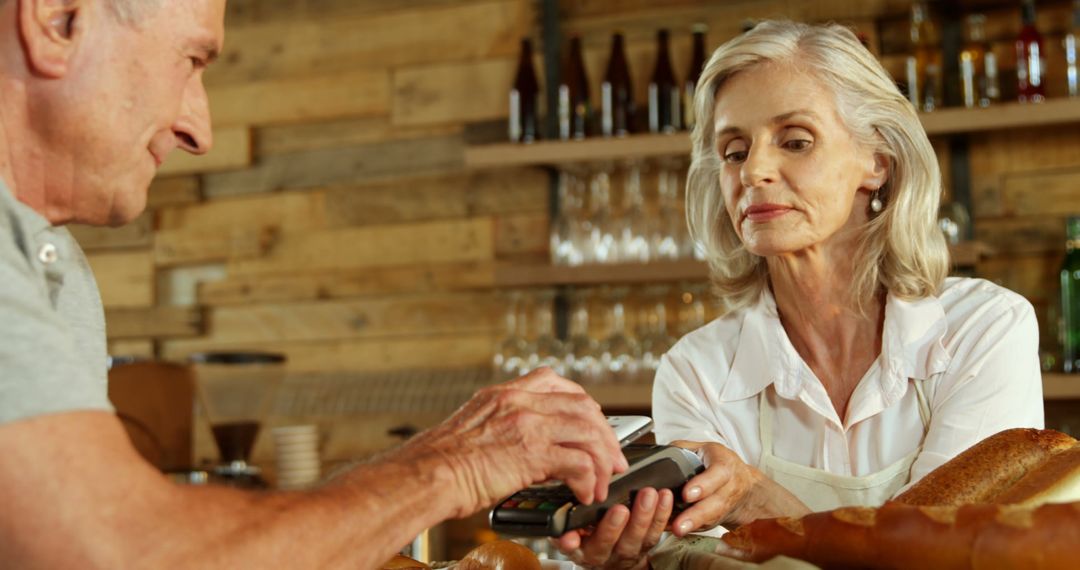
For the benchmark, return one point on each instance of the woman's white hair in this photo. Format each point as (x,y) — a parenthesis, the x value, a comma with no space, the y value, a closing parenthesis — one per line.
(901,248)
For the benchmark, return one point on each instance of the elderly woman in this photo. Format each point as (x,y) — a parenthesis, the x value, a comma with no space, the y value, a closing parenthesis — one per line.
(845,365)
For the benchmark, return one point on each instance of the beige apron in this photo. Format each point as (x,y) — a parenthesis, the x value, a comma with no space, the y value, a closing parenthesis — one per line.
(822,491)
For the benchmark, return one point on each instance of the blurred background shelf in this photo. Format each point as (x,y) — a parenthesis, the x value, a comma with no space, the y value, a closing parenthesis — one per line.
(947,121)
(542,275)
(1057,386)
(1000,117)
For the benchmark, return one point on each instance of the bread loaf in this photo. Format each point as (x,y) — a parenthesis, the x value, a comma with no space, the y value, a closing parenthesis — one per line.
(896,535)
(987,469)
(400,562)
(979,510)
(500,555)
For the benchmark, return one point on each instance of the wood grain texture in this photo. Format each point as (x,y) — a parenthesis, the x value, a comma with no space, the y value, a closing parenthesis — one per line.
(346,283)
(377,246)
(153,322)
(331,46)
(415,315)
(173,191)
(125,279)
(341,166)
(361,355)
(271,101)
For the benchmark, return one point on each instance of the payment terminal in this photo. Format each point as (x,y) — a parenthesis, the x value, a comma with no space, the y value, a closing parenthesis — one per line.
(552,509)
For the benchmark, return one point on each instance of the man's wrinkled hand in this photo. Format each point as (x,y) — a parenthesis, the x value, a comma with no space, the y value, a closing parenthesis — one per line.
(532,429)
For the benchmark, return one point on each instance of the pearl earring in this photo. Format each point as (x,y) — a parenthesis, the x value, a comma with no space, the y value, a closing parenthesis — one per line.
(875,202)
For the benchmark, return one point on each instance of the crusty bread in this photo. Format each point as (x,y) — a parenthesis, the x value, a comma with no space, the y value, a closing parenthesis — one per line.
(987,469)
(1057,480)
(979,510)
(896,535)
(500,555)
(400,562)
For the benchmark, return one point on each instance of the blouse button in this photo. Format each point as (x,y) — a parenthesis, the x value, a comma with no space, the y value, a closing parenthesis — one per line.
(48,254)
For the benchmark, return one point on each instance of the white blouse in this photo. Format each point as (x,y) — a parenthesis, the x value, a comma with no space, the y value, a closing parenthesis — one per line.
(975,345)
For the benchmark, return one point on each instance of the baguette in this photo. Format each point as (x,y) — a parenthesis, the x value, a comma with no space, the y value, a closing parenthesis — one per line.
(897,535)
(987,470)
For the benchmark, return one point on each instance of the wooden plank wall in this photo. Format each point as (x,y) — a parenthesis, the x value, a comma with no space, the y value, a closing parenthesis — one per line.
(335,222)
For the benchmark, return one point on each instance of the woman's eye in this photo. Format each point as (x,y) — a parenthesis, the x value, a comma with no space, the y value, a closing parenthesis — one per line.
(797,144)
(735,156)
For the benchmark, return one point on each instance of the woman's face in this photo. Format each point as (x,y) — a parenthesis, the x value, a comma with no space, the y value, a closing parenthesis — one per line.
(790,170)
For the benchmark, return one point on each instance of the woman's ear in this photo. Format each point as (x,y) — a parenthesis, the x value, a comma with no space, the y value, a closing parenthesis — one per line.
(50,30)
(877,173)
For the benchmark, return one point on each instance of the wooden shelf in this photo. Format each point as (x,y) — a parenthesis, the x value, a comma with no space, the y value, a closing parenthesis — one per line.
(569,152)
(1000,117)
(1057,386)
(942,122)
(541,275)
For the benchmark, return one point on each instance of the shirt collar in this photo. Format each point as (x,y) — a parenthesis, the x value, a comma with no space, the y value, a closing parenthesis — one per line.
(911,348)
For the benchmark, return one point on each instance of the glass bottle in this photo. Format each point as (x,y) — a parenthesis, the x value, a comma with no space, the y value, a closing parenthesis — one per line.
(1072,81)
(973,63)
(665,114)
(924,63)
(617,93)
(575,110)
(547,349)
(583,351)
(697,65)
(1070,298)
(512,351)
(633,224)
(1029,58)
(525,99)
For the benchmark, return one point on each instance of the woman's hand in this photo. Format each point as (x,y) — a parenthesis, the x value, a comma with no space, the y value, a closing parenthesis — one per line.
(730,492)
(623,538)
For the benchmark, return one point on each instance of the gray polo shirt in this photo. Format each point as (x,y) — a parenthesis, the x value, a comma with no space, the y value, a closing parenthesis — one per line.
(52,325)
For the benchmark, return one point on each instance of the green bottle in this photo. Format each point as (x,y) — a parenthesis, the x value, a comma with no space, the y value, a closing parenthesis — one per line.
(1070,297)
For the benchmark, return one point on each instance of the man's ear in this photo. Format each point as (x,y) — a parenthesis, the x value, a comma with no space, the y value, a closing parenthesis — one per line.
(50,30)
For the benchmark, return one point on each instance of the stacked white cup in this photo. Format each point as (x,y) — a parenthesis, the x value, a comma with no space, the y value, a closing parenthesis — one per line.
(297,452)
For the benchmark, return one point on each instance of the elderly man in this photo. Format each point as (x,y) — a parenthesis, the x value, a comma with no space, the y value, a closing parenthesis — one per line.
(93,95)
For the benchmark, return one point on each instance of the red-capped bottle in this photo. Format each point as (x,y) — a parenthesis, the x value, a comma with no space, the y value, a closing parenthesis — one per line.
(525,99)
(617,94)
(697,65)
(1029,59)
(665,113)
(575,109)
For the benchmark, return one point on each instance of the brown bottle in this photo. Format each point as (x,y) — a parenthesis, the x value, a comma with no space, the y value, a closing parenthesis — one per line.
(665,113)
(617,94)
(575,109)
(525,99)
(697,64)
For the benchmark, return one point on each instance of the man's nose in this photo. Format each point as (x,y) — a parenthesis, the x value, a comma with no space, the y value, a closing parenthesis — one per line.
(192,127)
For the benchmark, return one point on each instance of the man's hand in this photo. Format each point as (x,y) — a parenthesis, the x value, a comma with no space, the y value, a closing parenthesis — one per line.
(532,429)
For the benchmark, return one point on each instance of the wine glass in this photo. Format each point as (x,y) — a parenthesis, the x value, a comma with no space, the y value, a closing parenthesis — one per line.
(584,356)
(547,349)
(621,351)
(512,351)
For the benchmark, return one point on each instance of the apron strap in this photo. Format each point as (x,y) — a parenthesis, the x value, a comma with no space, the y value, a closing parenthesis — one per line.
(765,423)
(924,405)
